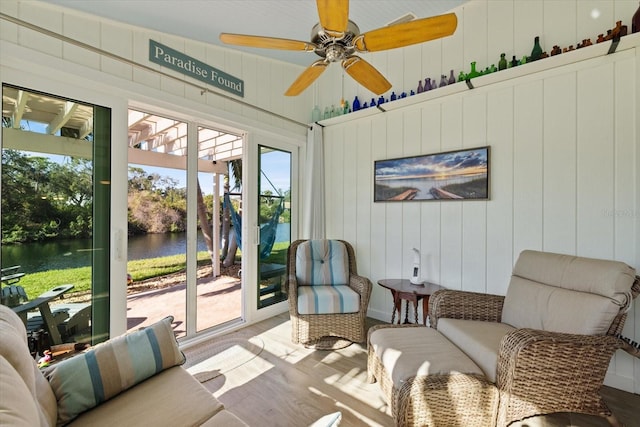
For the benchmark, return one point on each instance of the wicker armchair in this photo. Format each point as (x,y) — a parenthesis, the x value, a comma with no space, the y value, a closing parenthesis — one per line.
(308,328)
(538,371)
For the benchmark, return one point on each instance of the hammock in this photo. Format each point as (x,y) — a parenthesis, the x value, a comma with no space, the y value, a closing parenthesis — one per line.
(267,230)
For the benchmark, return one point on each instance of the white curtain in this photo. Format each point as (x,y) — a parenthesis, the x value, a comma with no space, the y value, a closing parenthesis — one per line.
(313,208)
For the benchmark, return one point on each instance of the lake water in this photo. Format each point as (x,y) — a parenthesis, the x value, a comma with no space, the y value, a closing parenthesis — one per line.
(34,257)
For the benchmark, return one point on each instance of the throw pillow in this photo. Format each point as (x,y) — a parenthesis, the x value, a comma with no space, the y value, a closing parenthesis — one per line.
(322,262)
(86,380)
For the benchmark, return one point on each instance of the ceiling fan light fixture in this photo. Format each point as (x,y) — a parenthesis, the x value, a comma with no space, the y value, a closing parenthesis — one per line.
(336,38)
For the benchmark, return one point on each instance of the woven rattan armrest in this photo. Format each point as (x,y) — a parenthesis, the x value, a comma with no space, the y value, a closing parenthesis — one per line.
(452,304)
(363,287)
(545,372)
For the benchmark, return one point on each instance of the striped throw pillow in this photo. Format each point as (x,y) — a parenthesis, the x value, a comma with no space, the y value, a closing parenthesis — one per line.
(322,262)
(88,379)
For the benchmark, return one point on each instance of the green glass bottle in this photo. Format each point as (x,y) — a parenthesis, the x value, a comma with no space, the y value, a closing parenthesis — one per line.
(502,64)
(536,52)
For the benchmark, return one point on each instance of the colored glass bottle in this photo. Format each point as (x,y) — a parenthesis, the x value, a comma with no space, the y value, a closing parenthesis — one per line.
(420,87)
(346,109)
(315,114)
(473,73)
(452,78)
(536,52)
(427,84)
(356,104)
(393,96)
(502,64)
(327,113)
(635,21)
(443,80)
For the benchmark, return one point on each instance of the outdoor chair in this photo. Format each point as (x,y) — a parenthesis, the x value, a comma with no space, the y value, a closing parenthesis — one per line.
(65,322)
(492,360)
(326,296)
(13,295)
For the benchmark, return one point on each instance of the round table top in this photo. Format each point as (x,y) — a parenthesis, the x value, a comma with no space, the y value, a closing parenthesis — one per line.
(405,285)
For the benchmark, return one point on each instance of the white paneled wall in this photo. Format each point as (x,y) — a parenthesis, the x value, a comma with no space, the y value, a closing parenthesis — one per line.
(265,80)
(486,28)
(564,163)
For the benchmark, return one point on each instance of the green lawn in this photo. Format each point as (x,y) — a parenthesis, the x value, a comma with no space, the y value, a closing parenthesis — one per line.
(37,283)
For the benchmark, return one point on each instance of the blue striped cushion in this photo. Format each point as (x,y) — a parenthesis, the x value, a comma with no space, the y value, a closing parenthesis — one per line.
(327,300)
(88,379)
(322,262)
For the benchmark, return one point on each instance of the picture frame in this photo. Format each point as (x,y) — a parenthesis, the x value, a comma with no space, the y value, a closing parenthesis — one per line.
(452,175)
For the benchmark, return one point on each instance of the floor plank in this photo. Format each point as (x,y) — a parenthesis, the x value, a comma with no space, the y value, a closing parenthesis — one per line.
(289,385)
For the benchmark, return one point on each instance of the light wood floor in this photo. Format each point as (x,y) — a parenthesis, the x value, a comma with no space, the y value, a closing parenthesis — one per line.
(290,385)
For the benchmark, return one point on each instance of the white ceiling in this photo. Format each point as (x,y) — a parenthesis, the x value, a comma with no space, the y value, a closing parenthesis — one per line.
(204,20)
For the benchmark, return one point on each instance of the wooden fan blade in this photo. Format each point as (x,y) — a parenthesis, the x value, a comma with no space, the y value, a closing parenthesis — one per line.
(266,42)
(365,74)
(307,77)
(408,33)
(334,16)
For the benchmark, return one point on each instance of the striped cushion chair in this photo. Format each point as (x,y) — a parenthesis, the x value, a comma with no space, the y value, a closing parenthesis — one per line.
(326,296)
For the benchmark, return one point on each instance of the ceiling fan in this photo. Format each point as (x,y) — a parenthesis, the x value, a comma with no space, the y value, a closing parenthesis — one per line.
(336,38)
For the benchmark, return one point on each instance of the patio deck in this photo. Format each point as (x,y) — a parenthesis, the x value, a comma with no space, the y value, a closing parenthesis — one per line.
(218,301)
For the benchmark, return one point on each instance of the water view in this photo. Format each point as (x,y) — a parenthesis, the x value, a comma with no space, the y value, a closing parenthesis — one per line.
(61,254)
(424,186)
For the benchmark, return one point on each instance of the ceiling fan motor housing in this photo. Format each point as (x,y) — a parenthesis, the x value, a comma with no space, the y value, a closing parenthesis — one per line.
(334,49)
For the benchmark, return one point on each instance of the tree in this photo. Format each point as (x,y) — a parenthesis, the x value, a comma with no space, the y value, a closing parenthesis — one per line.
(230,246)
(205,226)
(43,199)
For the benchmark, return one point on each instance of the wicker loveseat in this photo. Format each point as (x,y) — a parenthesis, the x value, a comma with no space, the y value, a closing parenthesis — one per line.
(492,360)
(327,298)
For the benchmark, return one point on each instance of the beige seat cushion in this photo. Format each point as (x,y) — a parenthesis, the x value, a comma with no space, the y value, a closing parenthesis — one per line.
(17,406)
(167,398)
(565,293)
(15,350)
(479,340)
(419,351)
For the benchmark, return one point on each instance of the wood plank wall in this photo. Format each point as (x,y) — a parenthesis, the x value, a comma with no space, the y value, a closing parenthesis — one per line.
(564,159)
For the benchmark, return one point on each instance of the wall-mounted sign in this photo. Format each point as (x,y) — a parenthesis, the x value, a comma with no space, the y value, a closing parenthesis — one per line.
(177,61)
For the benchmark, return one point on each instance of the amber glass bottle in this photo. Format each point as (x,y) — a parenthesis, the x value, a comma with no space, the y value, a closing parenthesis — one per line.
(635,21)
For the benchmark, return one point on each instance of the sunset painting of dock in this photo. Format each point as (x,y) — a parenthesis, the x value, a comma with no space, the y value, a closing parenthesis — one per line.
(452,175)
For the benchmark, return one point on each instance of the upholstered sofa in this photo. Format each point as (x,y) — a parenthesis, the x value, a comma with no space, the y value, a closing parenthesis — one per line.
(133,380)
(492,360)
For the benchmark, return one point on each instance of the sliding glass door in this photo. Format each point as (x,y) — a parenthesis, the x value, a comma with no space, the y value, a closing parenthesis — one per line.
(274,222)
(55,214)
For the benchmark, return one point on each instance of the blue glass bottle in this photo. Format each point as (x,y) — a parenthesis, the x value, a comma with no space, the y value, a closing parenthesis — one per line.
(356,104)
